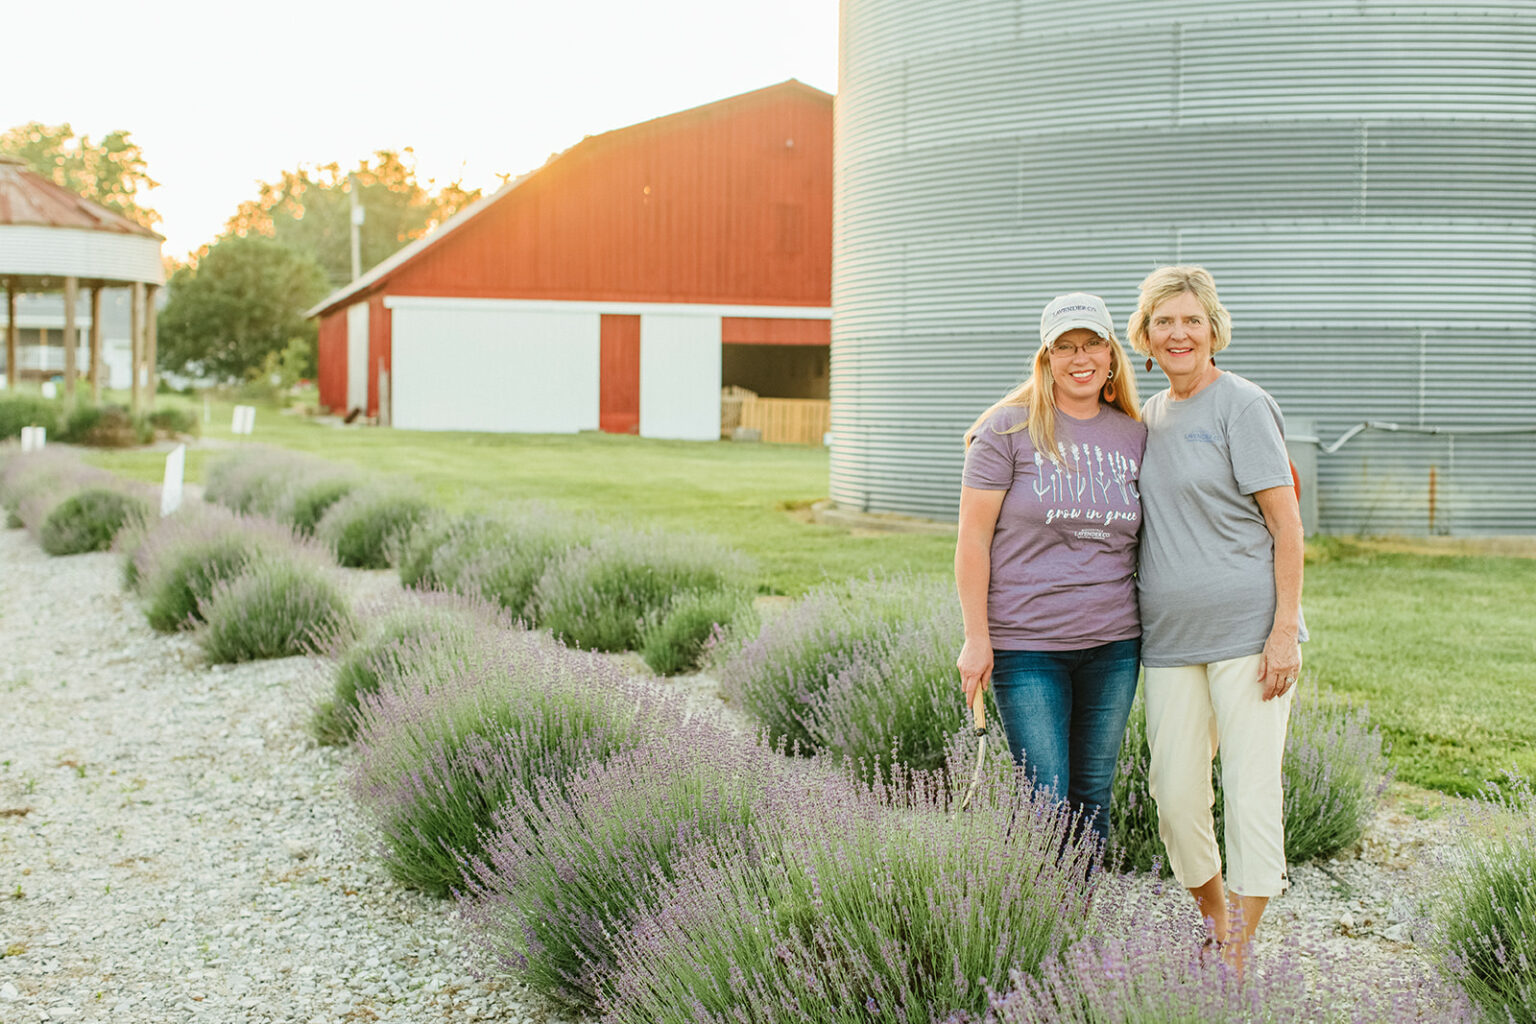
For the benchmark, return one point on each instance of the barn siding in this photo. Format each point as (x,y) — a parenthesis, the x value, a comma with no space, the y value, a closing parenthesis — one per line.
(332,359)
(728,203)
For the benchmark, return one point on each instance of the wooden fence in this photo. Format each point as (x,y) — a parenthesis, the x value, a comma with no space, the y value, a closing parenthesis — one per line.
(788,420)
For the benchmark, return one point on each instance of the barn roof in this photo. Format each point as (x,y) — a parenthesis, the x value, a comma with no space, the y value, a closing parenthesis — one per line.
(384,269)
(28,198)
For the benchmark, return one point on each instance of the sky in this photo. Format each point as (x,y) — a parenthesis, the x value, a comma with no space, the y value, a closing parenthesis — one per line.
(222,97)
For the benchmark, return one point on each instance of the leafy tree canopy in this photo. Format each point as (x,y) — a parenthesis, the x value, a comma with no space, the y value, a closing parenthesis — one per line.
(111,172)
(309,209)
(242,302)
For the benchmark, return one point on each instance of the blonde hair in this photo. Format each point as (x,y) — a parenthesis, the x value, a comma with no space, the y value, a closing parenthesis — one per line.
(1037,395)
(1166,283)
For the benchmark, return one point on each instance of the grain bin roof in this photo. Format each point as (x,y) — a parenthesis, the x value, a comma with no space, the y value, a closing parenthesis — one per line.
(27,197)
(49,234)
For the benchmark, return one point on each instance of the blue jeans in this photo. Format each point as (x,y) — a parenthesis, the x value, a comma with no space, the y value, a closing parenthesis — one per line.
(1064,714)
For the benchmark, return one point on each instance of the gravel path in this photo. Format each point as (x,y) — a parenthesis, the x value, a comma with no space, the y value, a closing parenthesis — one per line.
(173,846)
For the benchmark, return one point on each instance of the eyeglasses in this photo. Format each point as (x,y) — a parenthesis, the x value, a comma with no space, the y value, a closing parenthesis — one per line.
(1093,346)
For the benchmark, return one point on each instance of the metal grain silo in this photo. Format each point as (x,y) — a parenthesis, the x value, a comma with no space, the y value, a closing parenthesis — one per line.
(1359,176)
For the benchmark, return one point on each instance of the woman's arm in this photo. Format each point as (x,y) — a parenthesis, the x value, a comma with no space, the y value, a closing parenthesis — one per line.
(973,574)
(1282,651)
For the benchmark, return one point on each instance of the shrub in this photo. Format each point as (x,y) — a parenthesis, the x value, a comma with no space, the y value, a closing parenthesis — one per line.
(175,420)
(599,595)
(864,669)
(103,426)
(1333,774)
(1484,929)
(440,751)
(256,480)
(677,638)
(571,866)
(90,519)
(273,609)
(499,557)
(17,411)
(33,484)
(1148,972)
(182,557)
(845,910)
(397,645)
(368,525)
(307,501)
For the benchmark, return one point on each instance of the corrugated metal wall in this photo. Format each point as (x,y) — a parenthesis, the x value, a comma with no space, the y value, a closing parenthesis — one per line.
(1360,177)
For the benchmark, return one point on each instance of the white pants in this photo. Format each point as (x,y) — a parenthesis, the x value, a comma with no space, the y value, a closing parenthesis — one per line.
(1189,710)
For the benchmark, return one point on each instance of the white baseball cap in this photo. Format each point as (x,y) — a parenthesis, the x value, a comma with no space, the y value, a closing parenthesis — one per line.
(1077,309)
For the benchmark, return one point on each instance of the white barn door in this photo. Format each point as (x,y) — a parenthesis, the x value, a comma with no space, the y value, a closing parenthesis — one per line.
(357,356)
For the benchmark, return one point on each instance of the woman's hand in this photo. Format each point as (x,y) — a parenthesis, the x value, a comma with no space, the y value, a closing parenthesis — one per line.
(975,665)
(1281,665)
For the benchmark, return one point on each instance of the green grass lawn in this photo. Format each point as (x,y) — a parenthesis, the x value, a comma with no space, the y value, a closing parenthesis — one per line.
(1441,646)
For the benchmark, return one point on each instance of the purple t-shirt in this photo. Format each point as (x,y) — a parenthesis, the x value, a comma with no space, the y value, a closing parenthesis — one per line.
(1064,548)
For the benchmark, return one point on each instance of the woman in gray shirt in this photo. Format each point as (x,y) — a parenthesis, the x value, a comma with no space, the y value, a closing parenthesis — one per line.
(1220,591)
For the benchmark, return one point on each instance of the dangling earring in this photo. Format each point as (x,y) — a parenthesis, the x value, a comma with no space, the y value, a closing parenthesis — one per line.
(1149,364)
(1109,388)
(1213,360)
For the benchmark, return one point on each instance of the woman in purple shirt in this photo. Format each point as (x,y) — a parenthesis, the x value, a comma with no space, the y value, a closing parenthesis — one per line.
(1046,554)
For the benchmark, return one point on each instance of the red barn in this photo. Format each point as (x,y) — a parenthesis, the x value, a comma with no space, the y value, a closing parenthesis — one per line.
(618,287)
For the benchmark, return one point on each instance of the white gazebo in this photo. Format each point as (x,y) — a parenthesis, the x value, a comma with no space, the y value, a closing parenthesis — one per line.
(54,240)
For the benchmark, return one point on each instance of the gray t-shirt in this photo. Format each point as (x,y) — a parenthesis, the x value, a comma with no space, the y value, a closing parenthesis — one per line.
(1207,578)
(1064,548)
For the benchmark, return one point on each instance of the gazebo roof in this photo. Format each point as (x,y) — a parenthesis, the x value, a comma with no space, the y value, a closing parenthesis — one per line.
(49,234)
(27,197)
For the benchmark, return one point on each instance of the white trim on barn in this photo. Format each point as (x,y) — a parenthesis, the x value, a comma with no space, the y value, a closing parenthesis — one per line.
(621,308)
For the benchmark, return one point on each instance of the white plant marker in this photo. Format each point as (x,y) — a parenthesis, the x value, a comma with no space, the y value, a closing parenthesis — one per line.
(33,438)
(244,420)
(171,490)
(50,389)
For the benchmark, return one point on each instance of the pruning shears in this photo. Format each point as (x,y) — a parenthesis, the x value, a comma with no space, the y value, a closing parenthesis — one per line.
(979,717)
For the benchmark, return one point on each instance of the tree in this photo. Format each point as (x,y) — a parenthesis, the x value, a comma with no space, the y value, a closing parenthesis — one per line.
(111,172)
(309,209)
(241,302)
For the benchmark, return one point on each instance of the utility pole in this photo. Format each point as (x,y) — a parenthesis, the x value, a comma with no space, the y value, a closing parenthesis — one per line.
(357,227)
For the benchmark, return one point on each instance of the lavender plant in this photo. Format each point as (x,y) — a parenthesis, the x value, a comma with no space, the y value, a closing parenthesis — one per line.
(306,501)
(89,520)
(1333,774)
(439,755)
(573,865)
(411,640)
(32,484)
(842,909)
(1151,973)
(256,480)
(863,669)
(677,638)
(273,609)
(498,556)
(599,596)
(366,527)
(1484,927)
(177,562)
